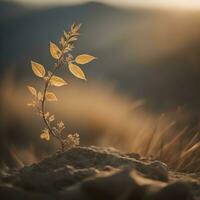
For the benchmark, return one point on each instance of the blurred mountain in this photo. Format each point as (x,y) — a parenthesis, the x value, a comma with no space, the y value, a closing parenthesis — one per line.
(10,10)
(152,54)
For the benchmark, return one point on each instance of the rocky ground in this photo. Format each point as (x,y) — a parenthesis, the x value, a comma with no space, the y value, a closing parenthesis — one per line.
(94,173)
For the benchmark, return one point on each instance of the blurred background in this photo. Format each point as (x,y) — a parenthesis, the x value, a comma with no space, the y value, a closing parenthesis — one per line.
(142,94)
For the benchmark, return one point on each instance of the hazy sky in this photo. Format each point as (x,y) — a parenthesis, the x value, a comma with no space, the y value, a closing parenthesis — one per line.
(190,4)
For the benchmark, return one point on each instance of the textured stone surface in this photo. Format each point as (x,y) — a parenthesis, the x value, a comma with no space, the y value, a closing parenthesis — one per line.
(88,173)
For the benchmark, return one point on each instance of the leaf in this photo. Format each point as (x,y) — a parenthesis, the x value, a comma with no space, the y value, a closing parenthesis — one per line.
(76,71)
(32,90)
(84,59)
(72,39)
(75,28)
(60,125)
(68,48)
(51,96)
(38,69)
(62,41)
(57,81)
(55,51)
(31,104)
(45,135)
(40,96)
(46,115)
(66,35)
(52,118)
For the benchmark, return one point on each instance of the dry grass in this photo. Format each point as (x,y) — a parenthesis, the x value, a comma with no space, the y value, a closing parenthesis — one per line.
(103,117)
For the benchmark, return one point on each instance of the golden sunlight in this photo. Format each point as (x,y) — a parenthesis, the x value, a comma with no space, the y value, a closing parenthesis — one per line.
(180,4)
(184,4)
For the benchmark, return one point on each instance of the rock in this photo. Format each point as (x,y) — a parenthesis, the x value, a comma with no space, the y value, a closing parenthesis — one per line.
(127,185)
(133,155)
(8,192)
(161,170)
(174,191)
(88,173)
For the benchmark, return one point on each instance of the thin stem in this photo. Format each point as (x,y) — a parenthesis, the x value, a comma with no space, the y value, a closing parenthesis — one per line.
(58,64)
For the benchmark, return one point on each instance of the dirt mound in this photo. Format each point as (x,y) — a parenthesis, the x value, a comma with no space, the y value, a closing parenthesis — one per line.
(88,173)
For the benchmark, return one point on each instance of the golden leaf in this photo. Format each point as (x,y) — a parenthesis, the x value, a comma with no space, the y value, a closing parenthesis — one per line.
(40,96)
(62,41)
(72,39)
(46,115)
(31,104)
(60,125)
(50,96)
(45,135)
(55,51)
(84,59)
(52,118)
(68,48)
(57,81)
(32,90)
(38,69)
(76,71)
(66,35)
(75,28)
